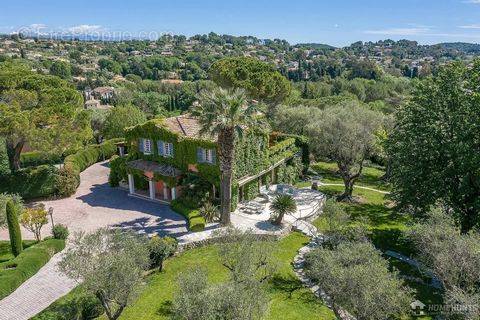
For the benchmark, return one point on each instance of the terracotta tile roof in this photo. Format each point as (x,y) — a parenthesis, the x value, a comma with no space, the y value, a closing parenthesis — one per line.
(187,126)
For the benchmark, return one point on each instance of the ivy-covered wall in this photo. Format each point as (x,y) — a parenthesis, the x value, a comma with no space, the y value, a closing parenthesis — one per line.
(255,150)
(184,149)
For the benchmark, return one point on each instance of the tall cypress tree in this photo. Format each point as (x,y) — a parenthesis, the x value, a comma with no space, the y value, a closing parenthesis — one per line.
(14,229)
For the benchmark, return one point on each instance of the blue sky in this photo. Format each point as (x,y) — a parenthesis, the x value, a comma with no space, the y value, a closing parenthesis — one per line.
(336,22)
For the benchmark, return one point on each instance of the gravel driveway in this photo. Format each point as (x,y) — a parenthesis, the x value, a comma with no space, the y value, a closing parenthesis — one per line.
(95,204)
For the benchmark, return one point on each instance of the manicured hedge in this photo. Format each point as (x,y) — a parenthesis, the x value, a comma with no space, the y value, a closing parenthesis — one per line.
(35,158)
(46,180)
(196,222)
(33,182)
(16,271)
(68,178)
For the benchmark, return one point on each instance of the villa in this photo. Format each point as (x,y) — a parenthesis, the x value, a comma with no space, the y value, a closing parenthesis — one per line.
(163,151)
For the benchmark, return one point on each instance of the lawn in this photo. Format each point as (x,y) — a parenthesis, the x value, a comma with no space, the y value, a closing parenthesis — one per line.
(6,252)
(16,270)
(387,228)
(288,298)
(371,177)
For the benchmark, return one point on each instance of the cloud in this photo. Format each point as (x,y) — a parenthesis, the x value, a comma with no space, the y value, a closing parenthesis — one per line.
(470,26)
(85,29)
(400,31)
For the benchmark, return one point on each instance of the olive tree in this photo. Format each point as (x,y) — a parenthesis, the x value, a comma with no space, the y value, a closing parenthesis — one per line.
(454,259)
(110,264)
(249,261)
(345,133)
(358,280)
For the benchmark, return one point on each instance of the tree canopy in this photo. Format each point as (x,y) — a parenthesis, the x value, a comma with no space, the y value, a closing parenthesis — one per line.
(346,135)
(434,148)
(45,111)
(120,118)
(260,80)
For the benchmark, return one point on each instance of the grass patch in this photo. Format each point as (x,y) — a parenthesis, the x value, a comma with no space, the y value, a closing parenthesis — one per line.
(370,177)
(14,272)
(288,298)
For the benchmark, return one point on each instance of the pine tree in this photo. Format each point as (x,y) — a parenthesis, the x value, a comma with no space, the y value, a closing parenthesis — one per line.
(14,229)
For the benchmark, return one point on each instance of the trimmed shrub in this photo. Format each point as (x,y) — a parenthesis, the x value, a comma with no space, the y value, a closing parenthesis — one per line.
(160,249)
(14,229)
(34,182)
(196,222)
(68,177)
(35,158)
(16,271)
(118,170)
(60,231)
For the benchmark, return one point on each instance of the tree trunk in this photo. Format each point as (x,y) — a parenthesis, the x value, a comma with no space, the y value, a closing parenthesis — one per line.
(226,144)
(349,181)
(278,220)
(14,151)
(388,172)
(347,193)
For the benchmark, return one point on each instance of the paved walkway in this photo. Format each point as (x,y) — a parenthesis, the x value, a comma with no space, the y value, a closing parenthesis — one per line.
(95,204)
(37,293)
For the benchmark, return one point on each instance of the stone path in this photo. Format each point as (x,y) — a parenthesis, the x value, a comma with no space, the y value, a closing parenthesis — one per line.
(37,293)
(359,187)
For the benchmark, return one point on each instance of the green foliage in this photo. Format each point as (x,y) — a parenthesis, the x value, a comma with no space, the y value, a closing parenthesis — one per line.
(80,306)
(4,165)
(110,264)
(160,249)
(210,212)
(120,118)
(16,271)
(61,69)
(60,231)
(258,78)
(281,205)
(14,228)
(434,147)
(45,111)
(196,222)
(4,198)
(118,170)
(358,279)
(35,158)
(68,178)
(30,183)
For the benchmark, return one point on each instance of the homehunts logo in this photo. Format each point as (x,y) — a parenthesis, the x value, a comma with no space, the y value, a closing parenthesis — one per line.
(420,309)
(417,308)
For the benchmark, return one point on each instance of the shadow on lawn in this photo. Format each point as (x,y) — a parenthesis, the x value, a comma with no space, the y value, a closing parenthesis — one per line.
(165,309)
(289,285)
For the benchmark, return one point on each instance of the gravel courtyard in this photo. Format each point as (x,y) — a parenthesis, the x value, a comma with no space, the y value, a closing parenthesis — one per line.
(96,205)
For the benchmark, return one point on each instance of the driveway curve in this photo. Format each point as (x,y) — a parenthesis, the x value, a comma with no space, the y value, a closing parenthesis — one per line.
(95,204)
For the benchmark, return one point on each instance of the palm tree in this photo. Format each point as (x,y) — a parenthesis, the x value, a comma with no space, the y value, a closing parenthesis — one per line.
(225,113)
(282,204)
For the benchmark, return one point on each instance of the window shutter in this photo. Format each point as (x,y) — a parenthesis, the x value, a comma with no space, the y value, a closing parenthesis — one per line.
(140,145)
(200,156)
(214,156)
(160,147)
(171,149)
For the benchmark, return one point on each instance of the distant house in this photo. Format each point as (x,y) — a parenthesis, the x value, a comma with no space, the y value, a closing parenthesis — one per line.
(103,93)
(92,104)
